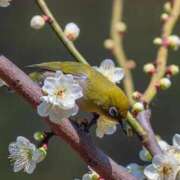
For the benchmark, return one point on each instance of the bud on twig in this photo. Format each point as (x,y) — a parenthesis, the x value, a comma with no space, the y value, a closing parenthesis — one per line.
(109,44)
(37,22)
(149,68)
(72,31)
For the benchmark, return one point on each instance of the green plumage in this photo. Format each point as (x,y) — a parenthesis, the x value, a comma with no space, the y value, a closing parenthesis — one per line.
(99,93)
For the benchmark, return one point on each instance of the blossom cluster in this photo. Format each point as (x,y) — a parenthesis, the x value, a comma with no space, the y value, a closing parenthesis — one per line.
(163,166)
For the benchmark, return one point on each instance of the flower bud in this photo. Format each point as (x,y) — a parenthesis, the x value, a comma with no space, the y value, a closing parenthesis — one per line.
(138,107)
(149,68)
(167,7)
(37,22)
(120,27)
(173,70)
(39,136)
(164,83)
(136,95)
(71,31)
(157,41)
(43,153)
(109,44)
(164,17)
(174,42)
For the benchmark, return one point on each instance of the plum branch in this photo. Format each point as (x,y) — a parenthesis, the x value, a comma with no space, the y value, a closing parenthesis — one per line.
(80,141)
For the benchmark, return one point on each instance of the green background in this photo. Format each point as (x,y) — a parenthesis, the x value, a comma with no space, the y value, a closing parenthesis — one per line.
(26,46)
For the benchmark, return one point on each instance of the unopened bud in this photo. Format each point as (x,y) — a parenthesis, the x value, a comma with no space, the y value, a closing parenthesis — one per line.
(164,83)
(157,41)
(138,107)
(39,136)
(167,7)
(173,69)
(149,68)
(174,42)
(43,153)
(120,27)
(136,95)
(164,17)
(37,22)
(109,44)
(71,31)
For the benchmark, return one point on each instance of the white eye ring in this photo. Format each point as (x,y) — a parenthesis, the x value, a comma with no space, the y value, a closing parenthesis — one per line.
(113,112)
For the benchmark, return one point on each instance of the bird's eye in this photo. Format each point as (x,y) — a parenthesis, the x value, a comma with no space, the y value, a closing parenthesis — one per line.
(113,112)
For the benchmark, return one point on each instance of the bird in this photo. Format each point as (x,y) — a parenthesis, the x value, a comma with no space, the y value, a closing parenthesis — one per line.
(100,95)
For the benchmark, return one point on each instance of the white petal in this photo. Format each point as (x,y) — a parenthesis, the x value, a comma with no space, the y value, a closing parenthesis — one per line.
(43,109)
(107,64)
(163,145)
(68,79)
(18,165)
(136,170)
(50,84)
(151,173)
(58,74)
(30,167)
(66,103)
(105,126)
(76,91)
(118,75)
(12,148)
(56,115)
(144,155)
(160,159)
(22,141)
(176,140)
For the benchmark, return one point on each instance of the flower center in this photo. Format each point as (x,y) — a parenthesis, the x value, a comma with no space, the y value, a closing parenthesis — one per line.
(61,93)
(166,169)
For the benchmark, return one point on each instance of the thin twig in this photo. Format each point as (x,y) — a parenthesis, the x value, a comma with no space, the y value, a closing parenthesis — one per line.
(118,49)
(128,81)
(59,32)
(79,140)
(162,54)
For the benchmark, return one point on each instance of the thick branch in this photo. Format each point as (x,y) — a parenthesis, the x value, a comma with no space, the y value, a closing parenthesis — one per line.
(151,142)
(118,48)
(80,141)
(162,54)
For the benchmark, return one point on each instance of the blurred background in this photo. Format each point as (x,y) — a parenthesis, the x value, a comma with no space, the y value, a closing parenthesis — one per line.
(26,46)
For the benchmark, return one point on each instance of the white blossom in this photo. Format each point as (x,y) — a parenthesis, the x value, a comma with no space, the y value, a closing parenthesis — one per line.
(163,167)
(72,31)
(136,170)
(60,95)
(108,69)
(5,3)
(24,155)
(37,22)
(167,165)
(105,126)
